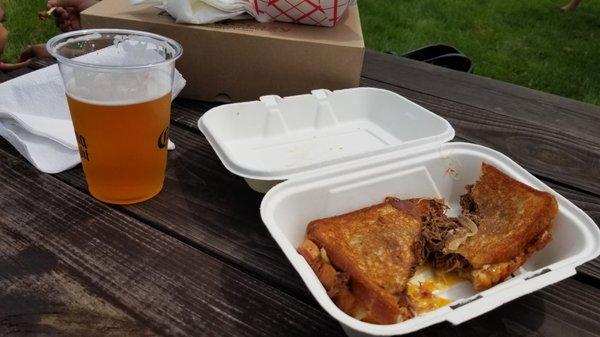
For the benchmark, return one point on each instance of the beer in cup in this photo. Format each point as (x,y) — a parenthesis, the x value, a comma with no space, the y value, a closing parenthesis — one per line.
(118,86)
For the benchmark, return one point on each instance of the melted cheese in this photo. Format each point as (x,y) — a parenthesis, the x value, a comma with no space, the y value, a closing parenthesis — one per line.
(423,294)
(423,300)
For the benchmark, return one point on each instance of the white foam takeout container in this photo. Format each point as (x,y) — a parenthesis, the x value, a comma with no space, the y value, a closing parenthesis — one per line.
(344,150)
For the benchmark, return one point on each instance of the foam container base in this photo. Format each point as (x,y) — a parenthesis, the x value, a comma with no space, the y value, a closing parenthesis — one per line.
(440,172)
(329,153)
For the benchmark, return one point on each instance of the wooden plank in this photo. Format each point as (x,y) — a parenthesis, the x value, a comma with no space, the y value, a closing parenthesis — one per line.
(94,268)
(590,272)
(541,150)
(70,263)
(8,75)
(4,77)
(38,63)
(186,112)
(40,295)
(566,115)
(14,73)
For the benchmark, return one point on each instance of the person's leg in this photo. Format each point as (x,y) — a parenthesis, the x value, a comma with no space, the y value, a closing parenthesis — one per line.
(3,39)
(570,6)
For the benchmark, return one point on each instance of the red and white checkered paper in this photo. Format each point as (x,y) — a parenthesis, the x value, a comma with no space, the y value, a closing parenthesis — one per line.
(309,12)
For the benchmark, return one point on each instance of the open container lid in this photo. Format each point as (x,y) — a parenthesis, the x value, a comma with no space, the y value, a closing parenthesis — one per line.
(365,143)
(278,138)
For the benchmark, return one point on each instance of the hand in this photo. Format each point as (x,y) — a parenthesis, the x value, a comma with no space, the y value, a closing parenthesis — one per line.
(67,12)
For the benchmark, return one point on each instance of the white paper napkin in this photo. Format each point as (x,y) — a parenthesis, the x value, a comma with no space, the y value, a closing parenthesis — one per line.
(35,119)
(201,11)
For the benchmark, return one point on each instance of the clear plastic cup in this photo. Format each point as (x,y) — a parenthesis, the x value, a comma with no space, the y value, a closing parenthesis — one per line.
(118,85)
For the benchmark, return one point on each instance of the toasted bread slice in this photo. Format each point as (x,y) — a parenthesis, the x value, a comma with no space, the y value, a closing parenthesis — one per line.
(365,259)
(512,221)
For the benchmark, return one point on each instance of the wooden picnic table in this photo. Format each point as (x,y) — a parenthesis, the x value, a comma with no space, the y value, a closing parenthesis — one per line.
(197,260)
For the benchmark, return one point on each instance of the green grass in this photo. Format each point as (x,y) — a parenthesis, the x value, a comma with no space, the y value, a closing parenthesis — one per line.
(24,26)
(530,43)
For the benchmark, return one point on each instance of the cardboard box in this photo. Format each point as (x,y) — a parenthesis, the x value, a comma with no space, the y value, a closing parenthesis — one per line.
(243,60)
